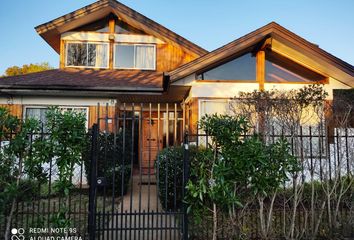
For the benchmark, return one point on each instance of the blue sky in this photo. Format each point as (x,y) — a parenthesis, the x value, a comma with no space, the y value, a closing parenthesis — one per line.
(208,23)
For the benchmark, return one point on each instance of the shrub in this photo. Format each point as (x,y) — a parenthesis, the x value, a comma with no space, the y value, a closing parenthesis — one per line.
(110,152)
(169,168)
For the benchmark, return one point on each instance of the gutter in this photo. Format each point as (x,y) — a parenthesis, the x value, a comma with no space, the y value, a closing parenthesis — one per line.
(77,90)
(93,93)
(80,88)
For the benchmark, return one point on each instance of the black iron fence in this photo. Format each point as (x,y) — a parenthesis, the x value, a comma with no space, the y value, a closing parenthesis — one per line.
(317,202)
(117,195)
(126,180)
(126,200)
(36,200)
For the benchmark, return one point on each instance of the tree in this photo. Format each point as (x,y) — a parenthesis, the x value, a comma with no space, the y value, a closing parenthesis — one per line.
(27,68)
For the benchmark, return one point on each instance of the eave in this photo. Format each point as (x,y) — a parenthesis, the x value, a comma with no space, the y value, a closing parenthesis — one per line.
(52,30)
(310,54)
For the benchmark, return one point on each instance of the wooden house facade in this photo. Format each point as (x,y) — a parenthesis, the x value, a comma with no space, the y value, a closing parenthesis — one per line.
(113,59)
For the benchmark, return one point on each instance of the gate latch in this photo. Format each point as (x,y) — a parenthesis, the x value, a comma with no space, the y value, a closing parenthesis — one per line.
(101,181)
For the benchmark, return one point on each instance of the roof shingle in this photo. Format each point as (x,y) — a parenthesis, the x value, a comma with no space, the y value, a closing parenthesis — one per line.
(86,79)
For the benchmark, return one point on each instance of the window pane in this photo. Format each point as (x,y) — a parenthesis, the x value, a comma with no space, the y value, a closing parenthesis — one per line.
(277,74)
(38,114)
(91,58)
(97,26)
(124,57)
(279,69)
(99,53)
(145,57)
(87,55)
(212,107)
(241,68)
(76,54)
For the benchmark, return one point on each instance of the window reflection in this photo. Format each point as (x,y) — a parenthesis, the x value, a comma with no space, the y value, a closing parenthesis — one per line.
(279,69)
(241,68)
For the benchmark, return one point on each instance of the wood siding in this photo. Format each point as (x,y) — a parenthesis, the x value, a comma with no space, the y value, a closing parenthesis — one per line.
(15,109)
(103,112)
(192,115)
(169,57)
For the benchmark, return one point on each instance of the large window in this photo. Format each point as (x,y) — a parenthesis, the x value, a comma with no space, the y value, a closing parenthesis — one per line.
(39,112)
(240,68)
(91,55)
(279,69)
(135,56)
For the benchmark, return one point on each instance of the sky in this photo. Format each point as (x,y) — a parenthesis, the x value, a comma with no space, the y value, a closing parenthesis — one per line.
(208,23)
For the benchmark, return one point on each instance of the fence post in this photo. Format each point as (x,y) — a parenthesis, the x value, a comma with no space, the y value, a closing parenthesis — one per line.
(93,179)
(185,180)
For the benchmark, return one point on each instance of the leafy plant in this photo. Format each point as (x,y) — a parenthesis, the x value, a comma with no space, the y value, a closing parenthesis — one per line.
(65,143)
(16,160)
(237,170)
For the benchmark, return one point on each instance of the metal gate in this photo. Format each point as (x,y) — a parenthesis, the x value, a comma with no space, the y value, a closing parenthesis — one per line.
(134,194)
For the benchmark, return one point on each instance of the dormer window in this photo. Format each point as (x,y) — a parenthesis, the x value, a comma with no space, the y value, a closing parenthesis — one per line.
(135,56)
(87,55)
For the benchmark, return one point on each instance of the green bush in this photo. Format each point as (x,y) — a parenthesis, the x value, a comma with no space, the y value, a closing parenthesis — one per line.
(28,189)
(169,168)
(110,161)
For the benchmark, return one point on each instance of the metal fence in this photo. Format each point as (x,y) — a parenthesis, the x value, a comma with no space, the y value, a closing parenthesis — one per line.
(324,186)
(118,196)
(126,201)
(131,208)
(38,202)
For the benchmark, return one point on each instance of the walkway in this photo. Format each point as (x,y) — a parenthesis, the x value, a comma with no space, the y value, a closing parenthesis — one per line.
(151,214)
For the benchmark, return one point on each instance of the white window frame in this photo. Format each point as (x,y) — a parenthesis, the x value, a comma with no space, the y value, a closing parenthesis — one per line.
(61,107)
(85,42)
(216,100)
(134,45)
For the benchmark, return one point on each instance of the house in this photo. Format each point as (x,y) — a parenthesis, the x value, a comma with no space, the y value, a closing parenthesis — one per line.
(110,54)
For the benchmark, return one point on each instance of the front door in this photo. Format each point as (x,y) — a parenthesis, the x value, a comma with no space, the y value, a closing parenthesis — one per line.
(151,142)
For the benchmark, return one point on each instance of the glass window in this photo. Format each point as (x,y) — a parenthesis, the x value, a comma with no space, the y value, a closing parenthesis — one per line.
(100,26)
(135,56)
(213,106)
(279,69)
(39,113)
(124,56)
(241,68)
(87,55)
(144,57)
(123,28)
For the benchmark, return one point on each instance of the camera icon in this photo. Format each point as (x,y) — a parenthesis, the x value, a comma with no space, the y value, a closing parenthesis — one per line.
(17,234)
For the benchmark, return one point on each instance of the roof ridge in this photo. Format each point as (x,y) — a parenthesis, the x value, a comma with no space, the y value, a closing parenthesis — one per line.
(271,28)
(117,8)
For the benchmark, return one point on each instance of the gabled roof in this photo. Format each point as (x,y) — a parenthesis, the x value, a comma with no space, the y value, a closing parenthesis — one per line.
(281,39)
(51,31)
(73,79)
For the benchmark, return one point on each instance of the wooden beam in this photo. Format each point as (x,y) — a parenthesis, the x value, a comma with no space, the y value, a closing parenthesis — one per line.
(111,25)
(260,69)
(62,54)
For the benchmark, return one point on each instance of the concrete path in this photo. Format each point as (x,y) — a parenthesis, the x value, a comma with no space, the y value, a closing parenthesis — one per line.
(142,214)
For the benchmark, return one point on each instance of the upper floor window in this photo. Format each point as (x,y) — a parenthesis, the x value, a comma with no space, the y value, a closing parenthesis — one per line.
(91,55)
(100,26)
(135,56)
(240,68)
